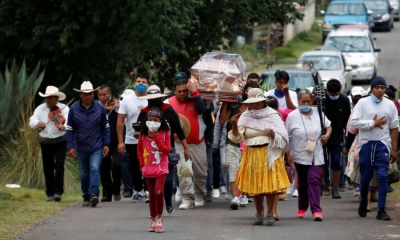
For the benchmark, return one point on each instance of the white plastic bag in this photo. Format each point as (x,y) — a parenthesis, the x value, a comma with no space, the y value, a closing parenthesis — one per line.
(186,169)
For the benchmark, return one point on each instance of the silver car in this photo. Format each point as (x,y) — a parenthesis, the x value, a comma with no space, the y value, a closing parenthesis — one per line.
(396,9)
(330,64)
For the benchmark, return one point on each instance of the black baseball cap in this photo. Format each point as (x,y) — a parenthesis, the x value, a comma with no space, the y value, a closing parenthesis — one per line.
(180,75)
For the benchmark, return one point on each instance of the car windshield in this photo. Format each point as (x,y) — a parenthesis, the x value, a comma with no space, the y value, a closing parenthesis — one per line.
(376,5)
(348,44)
(346,9)
(297,81)
(323,62)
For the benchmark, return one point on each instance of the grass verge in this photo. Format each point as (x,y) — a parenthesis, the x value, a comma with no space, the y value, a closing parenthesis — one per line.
(393,199)
(27,207)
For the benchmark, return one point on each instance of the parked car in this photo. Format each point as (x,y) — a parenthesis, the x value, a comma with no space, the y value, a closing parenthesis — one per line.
(396,9)
(382,13)
(358,48)
(341,12)
(330,64)
(299,78)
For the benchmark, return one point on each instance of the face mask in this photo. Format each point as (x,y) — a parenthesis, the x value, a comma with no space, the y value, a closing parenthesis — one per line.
(279,94)
(141,88)
(375,99)
(355,100)
(305,108)
(153,126)
(334,97)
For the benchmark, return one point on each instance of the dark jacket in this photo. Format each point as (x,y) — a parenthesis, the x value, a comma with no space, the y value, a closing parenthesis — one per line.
(87,128)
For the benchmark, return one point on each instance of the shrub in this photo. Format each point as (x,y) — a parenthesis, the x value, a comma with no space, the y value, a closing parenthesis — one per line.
(280,53)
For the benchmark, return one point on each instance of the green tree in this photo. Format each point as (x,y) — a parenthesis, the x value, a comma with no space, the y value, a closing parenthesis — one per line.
(104,40)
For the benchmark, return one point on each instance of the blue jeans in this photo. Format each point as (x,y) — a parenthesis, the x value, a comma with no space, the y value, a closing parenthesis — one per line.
(374,155)
(169,185)
(335,156)
(210,170)
(343,163)
(126,174)
(89,164)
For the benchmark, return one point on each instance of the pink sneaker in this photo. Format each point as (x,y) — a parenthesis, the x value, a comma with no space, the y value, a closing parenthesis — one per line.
(317,216)
(159,225)
(152,227)
(301,213)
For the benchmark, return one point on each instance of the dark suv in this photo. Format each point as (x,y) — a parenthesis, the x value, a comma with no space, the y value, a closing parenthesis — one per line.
(382,13)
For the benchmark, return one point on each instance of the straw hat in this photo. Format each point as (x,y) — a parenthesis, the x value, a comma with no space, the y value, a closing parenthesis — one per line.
(127,92)
(185,124)
(153,92)
(255,95)
(53,91)
(86,87)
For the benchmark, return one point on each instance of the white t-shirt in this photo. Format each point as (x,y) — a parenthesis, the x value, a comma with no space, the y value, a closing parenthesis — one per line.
(362,118)
(282,100)
(299,133)
(131,106)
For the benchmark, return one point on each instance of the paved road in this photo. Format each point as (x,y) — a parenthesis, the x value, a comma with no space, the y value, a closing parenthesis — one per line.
(125,220)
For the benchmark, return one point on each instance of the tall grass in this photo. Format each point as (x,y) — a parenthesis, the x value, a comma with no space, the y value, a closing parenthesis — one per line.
(22,161)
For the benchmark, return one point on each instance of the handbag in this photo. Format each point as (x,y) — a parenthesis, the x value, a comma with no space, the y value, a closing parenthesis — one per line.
(173,157)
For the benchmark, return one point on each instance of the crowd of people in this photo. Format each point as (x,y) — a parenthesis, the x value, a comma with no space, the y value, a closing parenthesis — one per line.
(154,145)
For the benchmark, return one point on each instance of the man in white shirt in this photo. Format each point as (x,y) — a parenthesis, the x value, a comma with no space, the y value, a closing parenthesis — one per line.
(286,98)
(52,138)
(377,121)
(128,113)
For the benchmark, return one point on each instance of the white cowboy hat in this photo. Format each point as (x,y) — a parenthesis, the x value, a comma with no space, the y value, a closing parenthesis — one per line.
(127,92)
(255,95)
(153,92)
(86,87)
(357,91)
(53,91)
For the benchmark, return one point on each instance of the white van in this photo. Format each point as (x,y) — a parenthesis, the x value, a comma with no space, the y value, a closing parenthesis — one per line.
(358,47)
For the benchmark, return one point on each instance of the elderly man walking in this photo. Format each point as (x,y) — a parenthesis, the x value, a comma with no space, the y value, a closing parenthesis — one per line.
(88,136)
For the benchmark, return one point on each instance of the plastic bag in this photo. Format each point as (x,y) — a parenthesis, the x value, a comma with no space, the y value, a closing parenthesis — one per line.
(186,169)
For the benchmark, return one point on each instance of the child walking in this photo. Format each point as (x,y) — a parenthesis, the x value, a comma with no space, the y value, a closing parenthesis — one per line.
(153,148)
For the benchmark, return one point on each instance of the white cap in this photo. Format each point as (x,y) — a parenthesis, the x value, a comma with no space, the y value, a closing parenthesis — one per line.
(357,91)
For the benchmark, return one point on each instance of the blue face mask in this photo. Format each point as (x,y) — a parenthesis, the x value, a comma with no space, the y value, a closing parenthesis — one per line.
(279,94)
(375,99)
(334,97)
(141,88)
(305,108)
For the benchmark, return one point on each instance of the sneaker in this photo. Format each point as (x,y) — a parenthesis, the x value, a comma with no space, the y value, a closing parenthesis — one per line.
(199,203)
(152,227)
(326,192)
(301,213)
(390,189)
(169,209)
(350,187)
(335,193)
(235,203)
(283,196)
(250,199)
(86,202)
(317,216)
(362,209)
(208,197)
(94,200)
(50,198)
(105,199)
(137,198)
(356,192)
(216,193)
(57,197)
(186,205)
(117,197)
(382,215)
(228,196)
(127,195)
(258,221)
(289,190)
(159,225)
(146,198)
(178,195)
(244,201)
(295,193)
(270,220)
(342,187)
(223,190)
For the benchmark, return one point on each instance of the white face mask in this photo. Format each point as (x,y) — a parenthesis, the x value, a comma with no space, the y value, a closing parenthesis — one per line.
(153,126)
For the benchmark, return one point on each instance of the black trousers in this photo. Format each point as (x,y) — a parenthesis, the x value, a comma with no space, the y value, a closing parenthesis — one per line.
(111,172)
(217,169)
(53,156)
(137,179)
